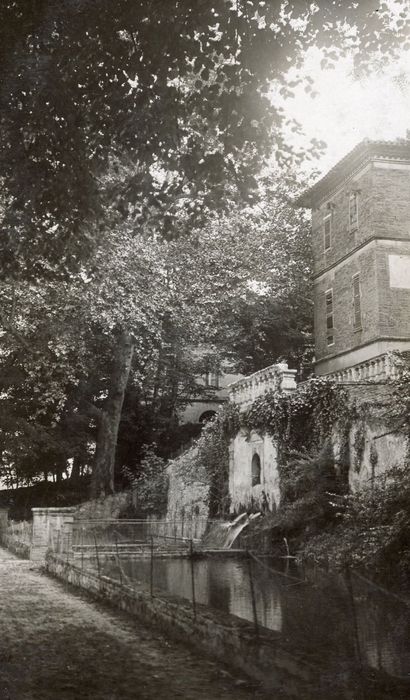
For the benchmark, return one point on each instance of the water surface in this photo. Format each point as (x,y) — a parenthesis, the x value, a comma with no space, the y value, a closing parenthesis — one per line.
(344,625)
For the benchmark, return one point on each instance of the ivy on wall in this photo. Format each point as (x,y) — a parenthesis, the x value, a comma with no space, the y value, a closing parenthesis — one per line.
(359,444)
(300,420)
(207,462)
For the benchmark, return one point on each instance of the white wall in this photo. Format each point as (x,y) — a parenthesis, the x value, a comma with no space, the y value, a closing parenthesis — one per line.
(241,491)
(391,451)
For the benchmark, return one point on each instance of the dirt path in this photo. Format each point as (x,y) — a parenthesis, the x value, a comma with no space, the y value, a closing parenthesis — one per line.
(56,645)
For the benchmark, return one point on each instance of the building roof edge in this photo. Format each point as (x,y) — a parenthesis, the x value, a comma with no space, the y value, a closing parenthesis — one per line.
(364,151)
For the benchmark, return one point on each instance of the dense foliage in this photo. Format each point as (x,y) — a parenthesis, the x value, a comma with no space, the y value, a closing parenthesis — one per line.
(170,98)
(300,420)
(125,128)
(151,485)
(208,460)
(373,529)
(310,488)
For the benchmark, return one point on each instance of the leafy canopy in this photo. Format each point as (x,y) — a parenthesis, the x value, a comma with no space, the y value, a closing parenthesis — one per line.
(171,98)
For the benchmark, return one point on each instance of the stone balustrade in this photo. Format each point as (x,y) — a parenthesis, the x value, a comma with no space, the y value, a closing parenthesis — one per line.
(378,369)
(274,378)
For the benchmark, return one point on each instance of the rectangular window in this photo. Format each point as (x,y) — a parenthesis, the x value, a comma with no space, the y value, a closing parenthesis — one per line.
(212,379)
(353,210)
(328,231)
(329,317)
(357,312)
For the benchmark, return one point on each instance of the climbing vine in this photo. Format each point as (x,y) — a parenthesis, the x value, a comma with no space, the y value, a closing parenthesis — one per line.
(359,444)
(400,405)
(302,419)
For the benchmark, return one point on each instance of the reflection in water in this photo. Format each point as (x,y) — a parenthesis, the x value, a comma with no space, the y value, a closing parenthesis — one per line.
(221,584)
(365,627)
(383,629)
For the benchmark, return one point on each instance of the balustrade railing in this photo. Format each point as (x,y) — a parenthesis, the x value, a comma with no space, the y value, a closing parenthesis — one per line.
(274,378)
(378,369)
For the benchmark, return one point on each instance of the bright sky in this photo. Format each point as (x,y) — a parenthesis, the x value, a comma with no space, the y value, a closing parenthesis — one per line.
(346,110)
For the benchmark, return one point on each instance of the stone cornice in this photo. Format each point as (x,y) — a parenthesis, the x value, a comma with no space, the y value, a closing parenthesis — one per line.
(371,239)
(366,151)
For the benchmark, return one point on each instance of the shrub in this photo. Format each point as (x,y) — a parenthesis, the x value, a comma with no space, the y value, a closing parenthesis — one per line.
(373,528)
(151,485)
(309,485)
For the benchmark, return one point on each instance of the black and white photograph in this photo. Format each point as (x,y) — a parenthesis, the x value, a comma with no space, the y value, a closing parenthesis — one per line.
(204,349)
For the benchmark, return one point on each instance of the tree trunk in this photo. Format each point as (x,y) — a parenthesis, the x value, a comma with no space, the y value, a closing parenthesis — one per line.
(76,469)
(109,420)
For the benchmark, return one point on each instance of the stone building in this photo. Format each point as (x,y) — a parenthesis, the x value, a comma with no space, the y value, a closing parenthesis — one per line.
(213,386)
(253,459)
(361,247)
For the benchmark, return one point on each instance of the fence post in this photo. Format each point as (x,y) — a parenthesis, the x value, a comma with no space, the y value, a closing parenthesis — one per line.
(356,630)
(191,547)
(82,549)
(98,558)
(255,616)
(67,541)
(152,568)
(118,557)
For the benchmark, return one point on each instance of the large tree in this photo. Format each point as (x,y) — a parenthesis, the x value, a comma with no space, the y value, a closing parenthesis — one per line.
(122,123)
(178,89)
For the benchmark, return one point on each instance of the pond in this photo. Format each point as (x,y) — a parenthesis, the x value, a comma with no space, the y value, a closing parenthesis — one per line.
(345,623)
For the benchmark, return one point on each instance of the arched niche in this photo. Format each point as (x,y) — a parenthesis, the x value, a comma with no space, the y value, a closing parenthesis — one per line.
(256,469)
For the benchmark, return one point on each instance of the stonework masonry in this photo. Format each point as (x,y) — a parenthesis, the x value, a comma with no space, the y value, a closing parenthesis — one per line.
(244,495)
(247,492)
(52,527)
(188,497)
(376,247)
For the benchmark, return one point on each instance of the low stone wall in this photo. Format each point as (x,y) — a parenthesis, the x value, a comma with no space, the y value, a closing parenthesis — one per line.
(18,541)
(13,544)
(264,657)
(106,508)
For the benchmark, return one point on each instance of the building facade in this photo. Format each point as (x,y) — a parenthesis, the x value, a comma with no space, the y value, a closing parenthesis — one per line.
(213,393)
(361,247)
(253,459)
(361,250)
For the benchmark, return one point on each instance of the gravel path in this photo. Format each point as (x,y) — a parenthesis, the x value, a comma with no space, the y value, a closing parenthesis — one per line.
(57,645)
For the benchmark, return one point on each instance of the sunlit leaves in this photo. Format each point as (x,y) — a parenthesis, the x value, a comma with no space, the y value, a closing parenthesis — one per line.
(173,85)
